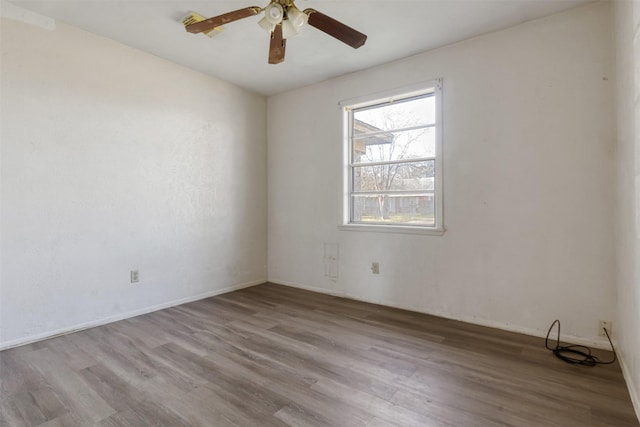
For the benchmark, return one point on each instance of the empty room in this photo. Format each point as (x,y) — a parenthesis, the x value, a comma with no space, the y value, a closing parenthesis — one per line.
(319,213)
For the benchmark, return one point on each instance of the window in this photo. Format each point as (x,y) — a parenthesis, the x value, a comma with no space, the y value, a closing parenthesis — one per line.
(393,167)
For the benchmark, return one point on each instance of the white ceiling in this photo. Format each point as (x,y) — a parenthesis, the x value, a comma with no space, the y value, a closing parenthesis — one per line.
(396,29)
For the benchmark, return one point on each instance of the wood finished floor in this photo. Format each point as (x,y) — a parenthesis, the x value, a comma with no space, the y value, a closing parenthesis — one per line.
(274,356)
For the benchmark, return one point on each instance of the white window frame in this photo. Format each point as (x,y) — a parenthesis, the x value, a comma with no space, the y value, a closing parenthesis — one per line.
(347,106)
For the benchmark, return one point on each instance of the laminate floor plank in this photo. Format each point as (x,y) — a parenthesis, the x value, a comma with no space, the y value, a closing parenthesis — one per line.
(294,388)
(276,356)
(306,359)
(48,403)
(154,413)
(451,408)
(196,408)
(66,420)
(69,348)
(69,386)
(16,375)
(112,352)
(143,330)
(300,418)
(514,402)
(375,405)
(24,408)
(114,390)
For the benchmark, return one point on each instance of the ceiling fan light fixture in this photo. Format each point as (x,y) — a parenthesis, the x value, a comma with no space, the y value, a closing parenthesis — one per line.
(288,29)
(296,17)
(268,26)
(274,13)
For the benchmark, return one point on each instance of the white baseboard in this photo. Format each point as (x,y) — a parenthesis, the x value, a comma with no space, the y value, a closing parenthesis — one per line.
(632,386)
(121,316)
(600,343)
(310,288)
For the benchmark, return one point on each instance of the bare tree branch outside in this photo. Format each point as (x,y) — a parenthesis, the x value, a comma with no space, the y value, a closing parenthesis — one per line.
(393,156)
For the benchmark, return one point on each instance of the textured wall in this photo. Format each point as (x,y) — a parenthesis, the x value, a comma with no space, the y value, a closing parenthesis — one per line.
(627,324)
(528,172)
(113,160)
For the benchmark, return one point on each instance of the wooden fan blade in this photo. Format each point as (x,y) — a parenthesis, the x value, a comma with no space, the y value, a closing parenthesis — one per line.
(277,46)
(216,21)
(336,29)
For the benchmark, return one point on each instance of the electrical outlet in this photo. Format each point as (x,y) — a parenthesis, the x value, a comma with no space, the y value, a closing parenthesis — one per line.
(134,276)
(604,324)
(375,267)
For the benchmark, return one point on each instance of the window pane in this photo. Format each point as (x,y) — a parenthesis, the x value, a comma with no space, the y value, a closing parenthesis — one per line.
(399,115)
(392,158)
(391,209)
(417,176)
(394,146)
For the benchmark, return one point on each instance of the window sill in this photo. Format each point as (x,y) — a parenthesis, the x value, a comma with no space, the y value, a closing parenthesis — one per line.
(399,229)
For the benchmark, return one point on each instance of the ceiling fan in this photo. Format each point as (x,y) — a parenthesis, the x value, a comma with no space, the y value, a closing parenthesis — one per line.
(283,20)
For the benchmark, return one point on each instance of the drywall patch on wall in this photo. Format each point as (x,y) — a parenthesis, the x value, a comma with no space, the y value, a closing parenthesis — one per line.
(114,160)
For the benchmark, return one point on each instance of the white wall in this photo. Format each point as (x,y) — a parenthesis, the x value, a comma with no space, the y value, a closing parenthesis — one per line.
(627,327)
(113,160)
(528,171)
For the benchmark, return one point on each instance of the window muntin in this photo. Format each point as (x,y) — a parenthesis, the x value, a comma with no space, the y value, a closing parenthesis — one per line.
(418,143)
(414,176)
(393,174)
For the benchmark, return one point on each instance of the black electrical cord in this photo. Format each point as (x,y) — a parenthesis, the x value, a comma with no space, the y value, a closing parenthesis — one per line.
(577,354)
